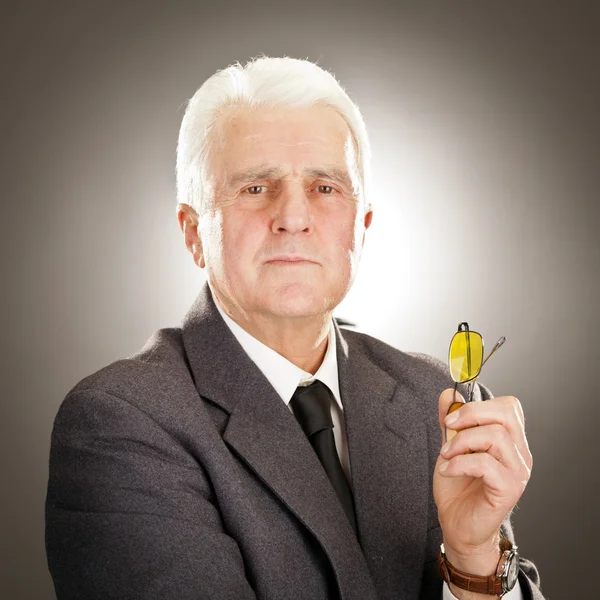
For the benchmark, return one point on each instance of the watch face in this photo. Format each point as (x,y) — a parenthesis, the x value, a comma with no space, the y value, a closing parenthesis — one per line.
(513,572)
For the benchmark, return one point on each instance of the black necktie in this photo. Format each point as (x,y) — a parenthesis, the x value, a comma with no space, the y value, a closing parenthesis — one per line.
(312,407)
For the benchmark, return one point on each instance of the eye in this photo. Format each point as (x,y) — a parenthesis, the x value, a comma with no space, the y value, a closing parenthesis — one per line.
(328,187)
(254,187)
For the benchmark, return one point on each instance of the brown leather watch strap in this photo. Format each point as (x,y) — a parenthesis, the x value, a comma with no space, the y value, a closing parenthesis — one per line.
(490,584)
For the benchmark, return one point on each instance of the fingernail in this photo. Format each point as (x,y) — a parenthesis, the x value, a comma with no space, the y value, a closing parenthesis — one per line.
(443,466)
(452,417)
(445,448)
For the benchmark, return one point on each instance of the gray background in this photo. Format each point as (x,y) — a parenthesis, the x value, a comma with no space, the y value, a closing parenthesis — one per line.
(484,124)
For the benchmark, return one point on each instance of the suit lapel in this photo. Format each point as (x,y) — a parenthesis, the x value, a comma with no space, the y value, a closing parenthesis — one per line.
(387,443)
(264,433)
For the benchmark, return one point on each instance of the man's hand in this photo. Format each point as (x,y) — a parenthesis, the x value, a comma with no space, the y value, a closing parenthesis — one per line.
(475,491)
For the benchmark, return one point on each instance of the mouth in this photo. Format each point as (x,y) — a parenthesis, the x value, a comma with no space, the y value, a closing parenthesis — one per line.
(290,261)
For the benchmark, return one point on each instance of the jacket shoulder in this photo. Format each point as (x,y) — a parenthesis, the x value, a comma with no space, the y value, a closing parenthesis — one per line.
(394,361)
(160,365)
(417,369)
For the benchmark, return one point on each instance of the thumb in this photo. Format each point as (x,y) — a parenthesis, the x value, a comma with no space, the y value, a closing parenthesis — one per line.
(449,402)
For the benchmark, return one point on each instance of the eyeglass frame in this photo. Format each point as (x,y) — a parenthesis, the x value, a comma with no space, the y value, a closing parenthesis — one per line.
(464,328)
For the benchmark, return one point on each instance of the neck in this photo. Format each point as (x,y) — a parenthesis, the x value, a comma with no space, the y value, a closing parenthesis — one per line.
(302,340)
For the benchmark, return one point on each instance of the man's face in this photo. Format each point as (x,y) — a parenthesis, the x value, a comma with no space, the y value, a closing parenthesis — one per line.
(283,234)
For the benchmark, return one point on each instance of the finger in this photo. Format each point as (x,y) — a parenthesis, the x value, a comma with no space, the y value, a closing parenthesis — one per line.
(493,439)
(504,410)
(501,487)
(448,401)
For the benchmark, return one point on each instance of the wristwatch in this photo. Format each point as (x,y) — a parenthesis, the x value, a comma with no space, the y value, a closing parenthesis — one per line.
(497,584)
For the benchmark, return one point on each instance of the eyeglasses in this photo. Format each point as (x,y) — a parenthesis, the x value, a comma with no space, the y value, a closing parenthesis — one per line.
(465,361)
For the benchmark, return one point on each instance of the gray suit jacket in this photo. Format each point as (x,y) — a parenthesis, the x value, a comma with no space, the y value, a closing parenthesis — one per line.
(178,473)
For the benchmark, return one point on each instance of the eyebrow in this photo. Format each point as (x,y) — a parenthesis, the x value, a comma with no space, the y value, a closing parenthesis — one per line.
(265,172)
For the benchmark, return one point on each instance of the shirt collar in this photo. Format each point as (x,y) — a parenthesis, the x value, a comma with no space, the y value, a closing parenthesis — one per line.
(282,374)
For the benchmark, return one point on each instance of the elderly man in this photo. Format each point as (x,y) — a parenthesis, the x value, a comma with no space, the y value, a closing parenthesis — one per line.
(259,451)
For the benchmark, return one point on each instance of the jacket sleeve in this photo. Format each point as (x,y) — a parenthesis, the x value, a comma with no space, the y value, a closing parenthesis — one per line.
(131,514)
(529,577)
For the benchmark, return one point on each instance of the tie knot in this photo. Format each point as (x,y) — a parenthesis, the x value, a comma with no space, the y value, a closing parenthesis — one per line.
(312,407)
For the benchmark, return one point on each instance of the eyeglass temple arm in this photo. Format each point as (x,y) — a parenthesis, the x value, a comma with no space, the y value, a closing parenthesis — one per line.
(498,344)
(471,387)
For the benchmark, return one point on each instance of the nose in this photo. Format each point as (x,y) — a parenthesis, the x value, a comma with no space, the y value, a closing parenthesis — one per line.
(292,210)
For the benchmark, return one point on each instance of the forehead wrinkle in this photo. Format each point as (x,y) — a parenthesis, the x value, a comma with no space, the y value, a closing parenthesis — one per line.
(263,171)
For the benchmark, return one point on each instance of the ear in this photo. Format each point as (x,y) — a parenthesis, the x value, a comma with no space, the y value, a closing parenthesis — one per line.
(367,222)
(188,221)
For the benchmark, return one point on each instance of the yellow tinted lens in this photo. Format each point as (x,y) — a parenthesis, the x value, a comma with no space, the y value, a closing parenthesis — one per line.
(466,355)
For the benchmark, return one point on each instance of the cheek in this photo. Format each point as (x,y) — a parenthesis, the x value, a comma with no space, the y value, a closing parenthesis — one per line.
(211,233)
(343,252)
(242,240)
(352,243)
(227,242)
(349,237)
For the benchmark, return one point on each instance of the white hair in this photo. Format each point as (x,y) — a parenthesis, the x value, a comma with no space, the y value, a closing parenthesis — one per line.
(264,81)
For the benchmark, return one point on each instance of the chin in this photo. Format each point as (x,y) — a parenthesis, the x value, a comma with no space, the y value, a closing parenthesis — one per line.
(298,301)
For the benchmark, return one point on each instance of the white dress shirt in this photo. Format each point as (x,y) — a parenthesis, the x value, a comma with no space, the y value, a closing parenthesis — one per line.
(285,377)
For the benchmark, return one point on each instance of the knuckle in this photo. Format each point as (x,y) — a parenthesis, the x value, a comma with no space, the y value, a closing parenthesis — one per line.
(517,408)
(499,434)
(512,402)
(516,403)
(528,462)
(526,459)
